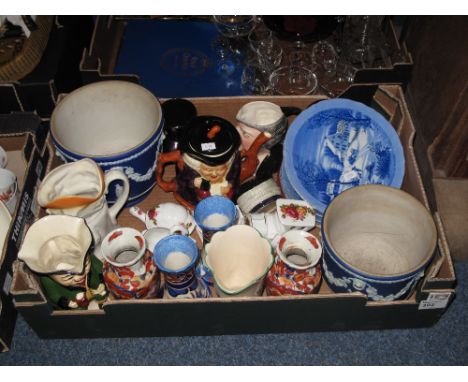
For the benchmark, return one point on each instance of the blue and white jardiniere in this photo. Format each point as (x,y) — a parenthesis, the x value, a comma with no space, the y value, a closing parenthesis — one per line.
(119,125)
(377,240)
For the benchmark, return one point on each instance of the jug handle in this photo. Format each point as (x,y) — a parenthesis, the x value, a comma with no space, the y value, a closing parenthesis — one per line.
(164,158)
(249,160)
(109,177)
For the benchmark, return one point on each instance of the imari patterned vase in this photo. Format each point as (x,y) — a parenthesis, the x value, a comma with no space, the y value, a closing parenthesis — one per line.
(296,270)
(129,271)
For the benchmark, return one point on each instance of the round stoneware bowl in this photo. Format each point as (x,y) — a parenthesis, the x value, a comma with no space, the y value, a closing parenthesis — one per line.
(377,240)
(119,125)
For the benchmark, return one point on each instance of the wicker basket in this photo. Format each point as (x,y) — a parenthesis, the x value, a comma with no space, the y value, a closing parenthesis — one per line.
(27,59)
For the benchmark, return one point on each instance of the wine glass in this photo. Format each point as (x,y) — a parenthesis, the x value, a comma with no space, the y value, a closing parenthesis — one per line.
(293,80)
(255,79)
(325,56)
(344,77)
(234,26)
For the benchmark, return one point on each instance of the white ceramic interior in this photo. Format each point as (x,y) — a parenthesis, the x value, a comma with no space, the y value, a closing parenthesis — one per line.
(154,235)
(82,178)
(123,247)
(105,118)
(238,257)
(379,230)
(296,249)
(50,227)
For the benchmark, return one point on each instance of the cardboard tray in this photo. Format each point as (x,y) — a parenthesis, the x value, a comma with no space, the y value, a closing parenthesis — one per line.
(23,138)
(213,316)
(98,62)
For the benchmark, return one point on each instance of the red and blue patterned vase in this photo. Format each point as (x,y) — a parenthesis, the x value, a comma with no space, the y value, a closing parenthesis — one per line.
(129,270)
(296,269)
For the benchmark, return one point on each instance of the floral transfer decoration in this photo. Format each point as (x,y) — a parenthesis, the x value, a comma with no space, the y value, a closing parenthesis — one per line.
(295,211)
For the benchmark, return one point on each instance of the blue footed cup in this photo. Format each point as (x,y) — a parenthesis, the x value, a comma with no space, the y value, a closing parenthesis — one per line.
(214,214)
(176,257)
(119,125)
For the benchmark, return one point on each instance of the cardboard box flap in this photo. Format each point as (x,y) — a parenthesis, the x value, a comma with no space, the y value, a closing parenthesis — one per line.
(16,124)
(20,132)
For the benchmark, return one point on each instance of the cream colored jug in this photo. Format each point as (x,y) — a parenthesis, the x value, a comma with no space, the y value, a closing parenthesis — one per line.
(78,189)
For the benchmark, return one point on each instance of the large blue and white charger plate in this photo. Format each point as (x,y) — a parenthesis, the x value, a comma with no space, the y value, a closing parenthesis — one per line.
(338,144)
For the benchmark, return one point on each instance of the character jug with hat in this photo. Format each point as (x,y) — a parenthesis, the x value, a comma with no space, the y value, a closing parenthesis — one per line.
(58,249)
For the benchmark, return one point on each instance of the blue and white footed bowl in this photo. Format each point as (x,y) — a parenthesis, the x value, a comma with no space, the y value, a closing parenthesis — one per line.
(119,125)
(337,144)
(377,240)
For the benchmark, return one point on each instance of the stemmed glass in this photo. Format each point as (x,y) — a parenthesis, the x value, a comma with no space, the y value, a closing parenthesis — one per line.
(325,56)
(364,44)
(255,78)
(343,78)
(231,46)
(266,56)
(293,80)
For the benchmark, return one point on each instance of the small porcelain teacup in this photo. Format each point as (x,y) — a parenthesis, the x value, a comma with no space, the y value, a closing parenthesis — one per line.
(79,189)
(165,215)
(214,214)
(8,189)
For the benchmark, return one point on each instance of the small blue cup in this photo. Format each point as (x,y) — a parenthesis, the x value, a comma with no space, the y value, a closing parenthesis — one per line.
(213,207)
(176,257)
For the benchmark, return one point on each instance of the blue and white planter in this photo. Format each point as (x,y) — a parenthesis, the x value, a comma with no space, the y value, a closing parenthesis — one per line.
(342,279)
(139,165)
(117,124)
(377,240)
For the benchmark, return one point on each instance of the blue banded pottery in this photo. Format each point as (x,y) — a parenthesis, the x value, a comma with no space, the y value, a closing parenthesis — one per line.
(214,214)
(176,257)
(119,125)
(377,240)
(338,144)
